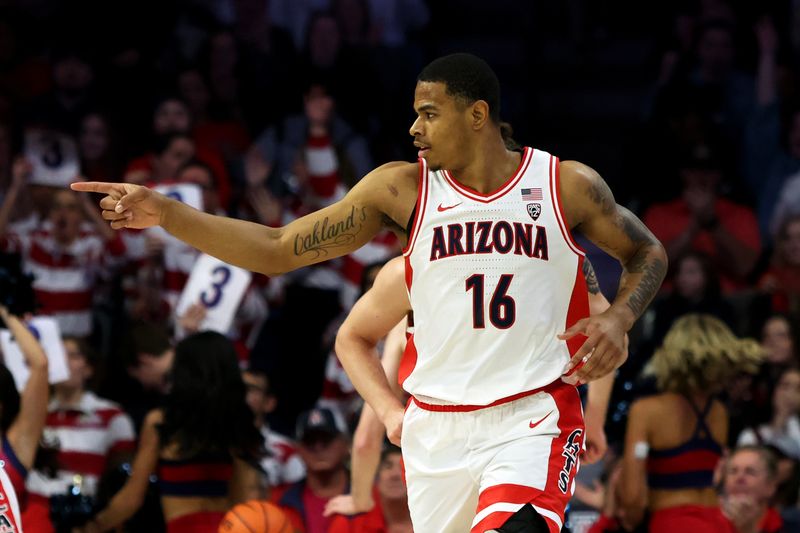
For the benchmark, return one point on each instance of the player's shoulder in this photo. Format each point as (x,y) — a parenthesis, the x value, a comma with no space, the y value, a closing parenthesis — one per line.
(397,172)
(575,175)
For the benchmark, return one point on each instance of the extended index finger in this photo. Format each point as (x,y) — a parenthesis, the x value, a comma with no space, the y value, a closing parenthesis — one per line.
(92,186)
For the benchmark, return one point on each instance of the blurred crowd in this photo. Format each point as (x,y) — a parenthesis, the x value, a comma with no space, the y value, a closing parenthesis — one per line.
(268,110)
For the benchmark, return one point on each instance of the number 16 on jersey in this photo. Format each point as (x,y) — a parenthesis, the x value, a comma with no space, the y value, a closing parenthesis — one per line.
(219,287)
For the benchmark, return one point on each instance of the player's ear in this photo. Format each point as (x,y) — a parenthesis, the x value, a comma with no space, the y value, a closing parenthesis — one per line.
(480,114)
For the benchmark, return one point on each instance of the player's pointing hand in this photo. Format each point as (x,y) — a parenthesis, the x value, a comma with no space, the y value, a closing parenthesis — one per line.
(126,205)
(604,350)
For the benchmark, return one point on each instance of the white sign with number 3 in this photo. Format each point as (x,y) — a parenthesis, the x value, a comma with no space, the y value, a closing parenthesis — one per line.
(53,156)
(219,287)
(46,331)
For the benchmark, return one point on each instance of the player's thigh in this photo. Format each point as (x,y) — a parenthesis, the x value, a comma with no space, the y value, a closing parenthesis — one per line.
(535,465)
(442,493)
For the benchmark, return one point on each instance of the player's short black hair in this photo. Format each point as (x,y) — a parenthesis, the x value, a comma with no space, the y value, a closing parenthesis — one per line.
(466,76)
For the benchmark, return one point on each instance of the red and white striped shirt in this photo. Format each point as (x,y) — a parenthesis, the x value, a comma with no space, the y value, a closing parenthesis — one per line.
(86,435)
(65,276)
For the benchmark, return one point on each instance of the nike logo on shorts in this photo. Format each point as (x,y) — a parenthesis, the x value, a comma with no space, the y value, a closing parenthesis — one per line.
(442,208)
(534,424)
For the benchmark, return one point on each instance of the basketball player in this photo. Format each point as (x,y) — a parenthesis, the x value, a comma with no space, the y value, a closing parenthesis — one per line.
(494,275)
(368,436)
(9,507)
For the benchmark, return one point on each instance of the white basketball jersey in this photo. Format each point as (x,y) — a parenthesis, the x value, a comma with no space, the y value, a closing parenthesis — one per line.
(492,279)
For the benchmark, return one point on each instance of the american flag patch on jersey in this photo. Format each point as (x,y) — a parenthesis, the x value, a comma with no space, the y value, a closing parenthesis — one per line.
(531,195)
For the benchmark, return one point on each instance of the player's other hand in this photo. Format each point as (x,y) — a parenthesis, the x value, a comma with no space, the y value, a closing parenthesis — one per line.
(605,348)
(393,421)
(596,442)
(126,205)
(347,505)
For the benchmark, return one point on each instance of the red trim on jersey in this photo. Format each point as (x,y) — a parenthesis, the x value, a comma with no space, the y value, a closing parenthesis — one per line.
(422,203)
(570,419)
(467,408)
(407,362)
(578,309)
(555,196)
(472,194)
(409,272)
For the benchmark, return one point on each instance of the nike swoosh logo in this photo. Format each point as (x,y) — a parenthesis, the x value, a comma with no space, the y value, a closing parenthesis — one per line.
(441,208)
(533,425)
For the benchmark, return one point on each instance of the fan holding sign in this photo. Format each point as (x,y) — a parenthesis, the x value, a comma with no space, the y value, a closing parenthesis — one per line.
(23,413)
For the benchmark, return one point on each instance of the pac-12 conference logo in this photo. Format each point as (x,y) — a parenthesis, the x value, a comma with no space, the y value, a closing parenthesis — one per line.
(571,450)
(534,210)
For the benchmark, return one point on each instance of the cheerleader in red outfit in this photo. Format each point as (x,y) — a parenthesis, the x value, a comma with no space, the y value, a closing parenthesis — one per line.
(675,439)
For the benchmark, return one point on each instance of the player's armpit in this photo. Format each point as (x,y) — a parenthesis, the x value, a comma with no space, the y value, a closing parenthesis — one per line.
(590,207)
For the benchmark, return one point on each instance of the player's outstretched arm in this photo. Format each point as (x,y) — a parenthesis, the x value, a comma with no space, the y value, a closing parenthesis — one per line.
(386,193)
(591,209)
(371,319)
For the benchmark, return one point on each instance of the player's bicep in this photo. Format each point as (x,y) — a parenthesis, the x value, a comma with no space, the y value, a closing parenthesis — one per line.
(595,213)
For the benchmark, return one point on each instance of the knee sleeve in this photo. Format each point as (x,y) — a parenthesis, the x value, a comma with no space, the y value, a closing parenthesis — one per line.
(526,520)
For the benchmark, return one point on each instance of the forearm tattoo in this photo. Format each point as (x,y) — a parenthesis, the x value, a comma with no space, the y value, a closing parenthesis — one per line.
(591,278)
(645,262)
(328,234)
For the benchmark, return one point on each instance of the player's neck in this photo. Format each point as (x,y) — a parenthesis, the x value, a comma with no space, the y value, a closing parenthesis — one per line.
(491,166)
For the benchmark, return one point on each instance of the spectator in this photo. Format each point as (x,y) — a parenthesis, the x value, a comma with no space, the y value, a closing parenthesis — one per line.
(749,397)
(140,378)
(783,429)
(334,155)
(696,290)
(172,116)
(391,510)
(782,279)
(96,148)
(202,444)
(748,486)
(282,463)
(217,128)
(772,151)
(71,97)
(22,416)
(675,439)
(725,92)
(67,258)
(324,448)
(90,435)
(702,220)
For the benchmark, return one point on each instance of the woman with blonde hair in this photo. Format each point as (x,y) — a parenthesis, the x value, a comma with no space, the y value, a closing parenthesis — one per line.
(675,438)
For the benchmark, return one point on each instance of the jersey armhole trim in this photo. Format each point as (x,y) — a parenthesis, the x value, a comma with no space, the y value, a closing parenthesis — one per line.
(422,202)
(555,165)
